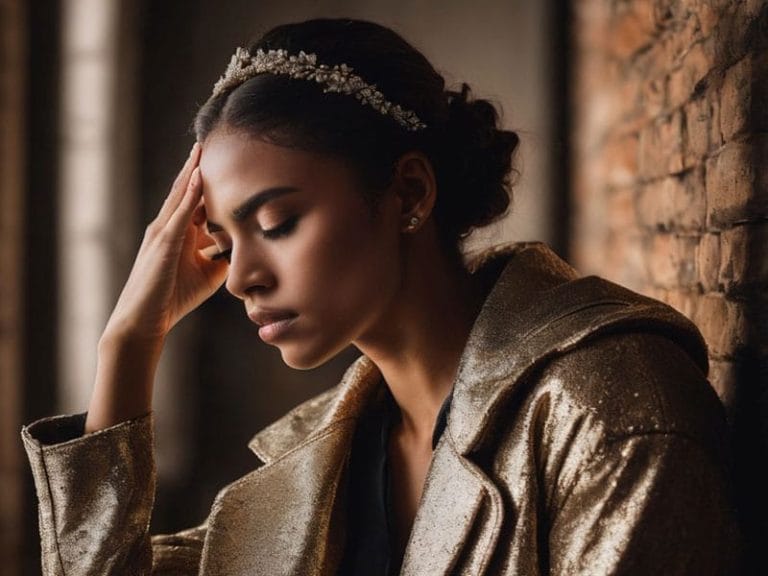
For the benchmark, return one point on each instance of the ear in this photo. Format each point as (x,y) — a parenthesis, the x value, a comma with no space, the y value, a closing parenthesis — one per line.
(414,183)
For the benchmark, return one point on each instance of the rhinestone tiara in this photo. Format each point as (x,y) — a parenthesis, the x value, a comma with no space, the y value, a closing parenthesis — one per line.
(338,78)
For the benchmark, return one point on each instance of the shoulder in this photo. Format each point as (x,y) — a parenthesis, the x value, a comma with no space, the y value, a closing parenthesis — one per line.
(634,383)
(621,405)
(632,449)
(605,392)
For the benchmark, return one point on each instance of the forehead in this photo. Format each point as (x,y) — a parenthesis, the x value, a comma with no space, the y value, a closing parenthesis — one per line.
(234,165)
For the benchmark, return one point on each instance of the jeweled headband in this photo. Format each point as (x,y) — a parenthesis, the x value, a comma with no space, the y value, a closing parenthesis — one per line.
(338,78)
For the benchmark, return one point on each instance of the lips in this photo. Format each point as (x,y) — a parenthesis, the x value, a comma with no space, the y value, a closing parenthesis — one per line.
(263,317)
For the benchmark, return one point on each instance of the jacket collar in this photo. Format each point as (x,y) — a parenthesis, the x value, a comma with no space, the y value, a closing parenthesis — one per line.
(526,269)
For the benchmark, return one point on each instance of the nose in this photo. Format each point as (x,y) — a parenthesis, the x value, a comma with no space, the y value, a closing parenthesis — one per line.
(248,272)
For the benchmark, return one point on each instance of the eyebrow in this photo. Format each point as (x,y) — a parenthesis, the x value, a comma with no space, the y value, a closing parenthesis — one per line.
(252,204)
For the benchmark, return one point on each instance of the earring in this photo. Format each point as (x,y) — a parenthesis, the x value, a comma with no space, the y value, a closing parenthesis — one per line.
(413,223)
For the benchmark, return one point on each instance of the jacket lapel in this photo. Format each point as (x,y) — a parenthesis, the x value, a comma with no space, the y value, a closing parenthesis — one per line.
(458,521)
(283,517)
(461,511)
(253,531)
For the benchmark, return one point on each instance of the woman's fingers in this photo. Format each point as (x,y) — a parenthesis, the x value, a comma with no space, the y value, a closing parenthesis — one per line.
(179,187)
(199,215)
(182,216)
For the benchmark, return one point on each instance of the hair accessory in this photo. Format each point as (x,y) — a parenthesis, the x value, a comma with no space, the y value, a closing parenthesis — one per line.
(338,78)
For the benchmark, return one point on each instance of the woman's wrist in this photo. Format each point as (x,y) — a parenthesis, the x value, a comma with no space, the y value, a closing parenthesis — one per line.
(124,379)
(130,342)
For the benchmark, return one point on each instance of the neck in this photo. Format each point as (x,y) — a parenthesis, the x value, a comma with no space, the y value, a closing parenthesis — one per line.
(418,343)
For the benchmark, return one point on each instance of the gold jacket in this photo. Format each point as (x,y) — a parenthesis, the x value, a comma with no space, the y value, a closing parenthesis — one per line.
(583,439)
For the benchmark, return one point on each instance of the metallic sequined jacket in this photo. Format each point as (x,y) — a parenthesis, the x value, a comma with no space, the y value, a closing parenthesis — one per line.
(583,439)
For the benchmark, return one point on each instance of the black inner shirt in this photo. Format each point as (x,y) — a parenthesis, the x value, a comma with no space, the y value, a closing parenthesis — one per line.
(370,520)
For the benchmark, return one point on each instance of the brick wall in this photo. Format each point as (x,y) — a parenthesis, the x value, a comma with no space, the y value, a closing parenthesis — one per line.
(671,179)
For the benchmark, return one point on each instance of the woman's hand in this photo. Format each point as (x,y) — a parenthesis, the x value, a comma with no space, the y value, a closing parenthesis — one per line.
(171,275)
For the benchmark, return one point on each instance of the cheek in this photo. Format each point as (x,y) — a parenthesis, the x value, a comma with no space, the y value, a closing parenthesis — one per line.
(346,265)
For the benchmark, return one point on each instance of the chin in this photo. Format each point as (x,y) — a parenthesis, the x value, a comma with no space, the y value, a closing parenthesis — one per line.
(300,358)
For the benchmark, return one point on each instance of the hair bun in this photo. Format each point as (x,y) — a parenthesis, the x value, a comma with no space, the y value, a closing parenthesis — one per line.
(477,161)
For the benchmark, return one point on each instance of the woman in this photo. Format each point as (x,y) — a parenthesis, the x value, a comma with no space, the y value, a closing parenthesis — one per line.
(505,417)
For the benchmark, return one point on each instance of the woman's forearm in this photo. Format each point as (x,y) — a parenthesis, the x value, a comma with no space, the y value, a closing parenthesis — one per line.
(124,380)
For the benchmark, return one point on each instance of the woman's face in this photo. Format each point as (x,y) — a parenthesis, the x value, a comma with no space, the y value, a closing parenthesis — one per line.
(311,248)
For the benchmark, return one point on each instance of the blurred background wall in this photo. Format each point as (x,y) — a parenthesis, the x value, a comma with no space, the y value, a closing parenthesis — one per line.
(643,159)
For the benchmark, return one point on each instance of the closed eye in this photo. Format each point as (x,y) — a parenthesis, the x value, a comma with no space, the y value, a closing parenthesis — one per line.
(283,230)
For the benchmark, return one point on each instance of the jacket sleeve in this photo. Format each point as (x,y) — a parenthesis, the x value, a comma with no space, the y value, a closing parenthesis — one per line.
(95,497)
(643,479)
(646,504)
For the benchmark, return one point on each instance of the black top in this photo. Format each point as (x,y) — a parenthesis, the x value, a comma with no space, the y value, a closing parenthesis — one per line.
(369,512)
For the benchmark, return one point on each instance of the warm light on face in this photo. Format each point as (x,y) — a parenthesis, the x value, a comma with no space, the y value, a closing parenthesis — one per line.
(299,237)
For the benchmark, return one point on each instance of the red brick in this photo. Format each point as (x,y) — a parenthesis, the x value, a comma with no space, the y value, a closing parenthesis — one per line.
(698,116)
(674,203)
(624,260)
(689,202)
(683,33)
(620,157)
(743,263)
(630,103)
(734,254)
(715,135)
(647,64)
(723,325)
(671,142)
(653,97)
(679,87)
(684,301)
(652,206)
(695,65)
(602,107)
(732,33)
(671,260)
(708,262)
(707,17)
(657,293)
(737,183)
(662,13)
(650,158)
(736,99)
(631,28)
(661,147)
(723,375)
(621,209)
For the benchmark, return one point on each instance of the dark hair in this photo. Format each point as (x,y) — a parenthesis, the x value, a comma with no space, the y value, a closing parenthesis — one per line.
(470,154)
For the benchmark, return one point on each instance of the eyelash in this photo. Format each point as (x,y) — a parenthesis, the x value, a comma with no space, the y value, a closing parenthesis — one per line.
(282,230)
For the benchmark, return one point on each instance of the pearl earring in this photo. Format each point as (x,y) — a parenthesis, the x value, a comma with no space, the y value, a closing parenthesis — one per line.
(413,223)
